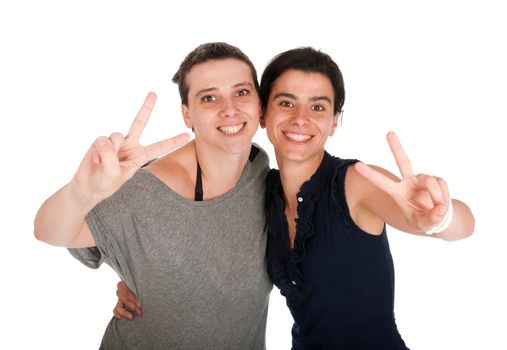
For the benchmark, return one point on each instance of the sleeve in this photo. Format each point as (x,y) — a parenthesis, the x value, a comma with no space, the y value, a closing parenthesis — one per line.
(105,223)
(259,155)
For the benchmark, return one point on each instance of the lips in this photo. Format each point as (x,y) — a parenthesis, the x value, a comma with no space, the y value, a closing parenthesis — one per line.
(231,129)
(297,137)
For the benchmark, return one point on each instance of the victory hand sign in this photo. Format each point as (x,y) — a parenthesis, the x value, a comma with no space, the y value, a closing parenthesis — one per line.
(111,161)
(424,200)
(107,165)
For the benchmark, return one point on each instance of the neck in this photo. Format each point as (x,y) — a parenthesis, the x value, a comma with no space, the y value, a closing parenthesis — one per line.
(293,174)
(220,171)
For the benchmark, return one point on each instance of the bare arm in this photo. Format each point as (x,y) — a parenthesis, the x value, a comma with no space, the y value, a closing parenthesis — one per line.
(107,165)
(415,203)
(60,220)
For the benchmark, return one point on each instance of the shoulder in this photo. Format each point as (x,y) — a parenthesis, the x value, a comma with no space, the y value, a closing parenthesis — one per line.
(355,181)
(340,163)
(358,188)
(354,185)
(272,183)
(362,197)
(261,158)
(272,178)
(340,170)
(176,170)
(341,176)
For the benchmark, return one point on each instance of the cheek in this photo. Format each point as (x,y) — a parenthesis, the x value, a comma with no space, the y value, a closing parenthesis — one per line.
(330,131)
(271,128)
(252,108)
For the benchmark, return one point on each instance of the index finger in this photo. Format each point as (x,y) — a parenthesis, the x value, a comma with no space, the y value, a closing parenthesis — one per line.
(400,156)
(377,178)
(162,147)
(142,117)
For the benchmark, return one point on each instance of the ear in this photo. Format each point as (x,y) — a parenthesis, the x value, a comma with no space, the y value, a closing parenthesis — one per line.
(336,118)
(262,119)
(186,116)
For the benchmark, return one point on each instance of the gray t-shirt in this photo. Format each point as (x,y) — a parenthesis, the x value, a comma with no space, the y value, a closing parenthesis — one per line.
(198,268)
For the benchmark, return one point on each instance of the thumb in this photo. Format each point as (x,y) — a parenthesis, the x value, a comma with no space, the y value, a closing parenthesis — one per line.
(438,214)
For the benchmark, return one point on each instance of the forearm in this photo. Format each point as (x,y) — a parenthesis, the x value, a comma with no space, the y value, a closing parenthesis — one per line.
(61,217)
(462,224)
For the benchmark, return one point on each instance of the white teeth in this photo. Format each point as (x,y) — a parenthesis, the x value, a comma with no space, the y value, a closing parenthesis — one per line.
(231,129)
(298,137)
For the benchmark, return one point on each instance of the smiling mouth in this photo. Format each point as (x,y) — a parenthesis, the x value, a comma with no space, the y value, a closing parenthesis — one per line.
(297,137)
(231,129)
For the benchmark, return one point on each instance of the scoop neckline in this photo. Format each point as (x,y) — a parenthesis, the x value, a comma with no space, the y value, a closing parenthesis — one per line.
(176,196)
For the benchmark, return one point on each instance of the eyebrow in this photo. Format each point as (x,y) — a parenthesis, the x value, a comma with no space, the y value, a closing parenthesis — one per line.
(320,98)
(243,83)
(203,91)
(285,94)
(294,97)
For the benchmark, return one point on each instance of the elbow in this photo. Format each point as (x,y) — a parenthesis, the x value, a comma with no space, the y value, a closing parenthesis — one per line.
(40,233)
(38,236)
(465,229)
(462,235)
(470,229)
(37,231)
(465,225)
(469,224)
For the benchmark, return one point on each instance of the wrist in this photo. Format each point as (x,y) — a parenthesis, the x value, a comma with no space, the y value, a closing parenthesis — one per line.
(82,199)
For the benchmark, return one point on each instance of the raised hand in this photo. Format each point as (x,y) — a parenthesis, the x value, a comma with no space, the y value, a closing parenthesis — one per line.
(423,199)
(110,162)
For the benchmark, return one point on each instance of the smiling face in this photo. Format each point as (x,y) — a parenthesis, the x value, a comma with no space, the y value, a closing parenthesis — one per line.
(299,115)
(223,105)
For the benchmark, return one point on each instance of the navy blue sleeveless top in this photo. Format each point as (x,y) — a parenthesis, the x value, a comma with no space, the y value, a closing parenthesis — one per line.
(338,280)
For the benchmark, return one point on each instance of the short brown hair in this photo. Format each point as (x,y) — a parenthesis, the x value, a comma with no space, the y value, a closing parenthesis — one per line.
(206,52)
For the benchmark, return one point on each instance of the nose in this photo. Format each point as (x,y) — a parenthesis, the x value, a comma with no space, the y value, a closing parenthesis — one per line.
(229,108)
(299,118)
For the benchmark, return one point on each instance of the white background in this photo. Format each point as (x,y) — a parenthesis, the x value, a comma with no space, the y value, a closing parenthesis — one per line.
(434,71)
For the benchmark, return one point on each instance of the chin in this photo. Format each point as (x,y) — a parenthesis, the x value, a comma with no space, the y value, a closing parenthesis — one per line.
(300,155)
(294,156)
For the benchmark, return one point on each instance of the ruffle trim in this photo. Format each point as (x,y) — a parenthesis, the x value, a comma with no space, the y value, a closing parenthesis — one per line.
(284,267)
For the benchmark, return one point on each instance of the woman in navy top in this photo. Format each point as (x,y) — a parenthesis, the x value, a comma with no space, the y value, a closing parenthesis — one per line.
(327,245)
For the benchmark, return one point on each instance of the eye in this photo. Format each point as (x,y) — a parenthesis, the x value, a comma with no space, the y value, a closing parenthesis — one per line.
(243,92)
(317,108)
(208,98)
(286,104)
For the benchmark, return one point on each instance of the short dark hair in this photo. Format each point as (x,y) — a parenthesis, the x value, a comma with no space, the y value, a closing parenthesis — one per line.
(306,59)
(206,52)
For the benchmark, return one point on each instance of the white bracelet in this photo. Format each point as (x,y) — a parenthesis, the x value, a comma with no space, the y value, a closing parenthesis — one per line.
(444,224)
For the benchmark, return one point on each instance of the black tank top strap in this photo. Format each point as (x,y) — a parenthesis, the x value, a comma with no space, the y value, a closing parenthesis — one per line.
(198,184)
